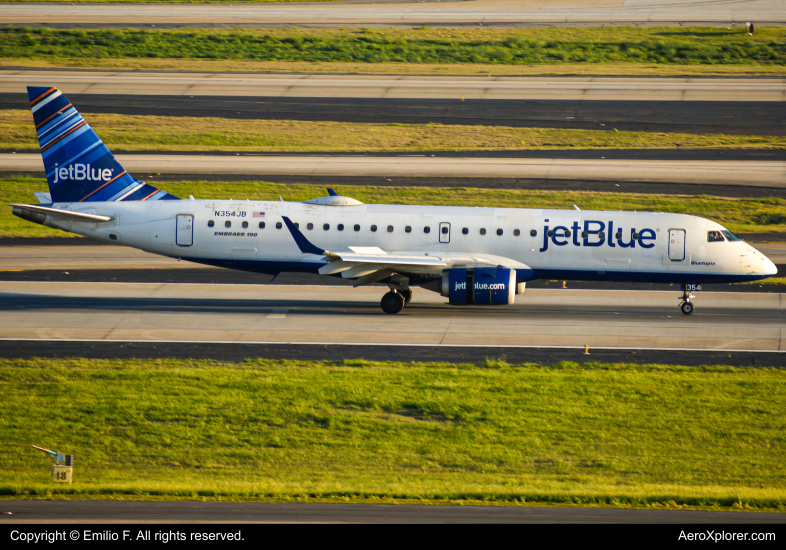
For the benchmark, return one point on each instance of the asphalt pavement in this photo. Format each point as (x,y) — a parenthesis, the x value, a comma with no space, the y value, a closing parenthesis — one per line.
(765,118)
(42,511)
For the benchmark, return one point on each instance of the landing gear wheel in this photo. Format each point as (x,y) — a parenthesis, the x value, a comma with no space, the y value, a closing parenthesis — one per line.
(407,294)
(392,303)
(687,308)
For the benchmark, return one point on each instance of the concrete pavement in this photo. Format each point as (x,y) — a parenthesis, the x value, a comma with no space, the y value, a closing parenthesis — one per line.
(313,314)
(373,86)
(739,173)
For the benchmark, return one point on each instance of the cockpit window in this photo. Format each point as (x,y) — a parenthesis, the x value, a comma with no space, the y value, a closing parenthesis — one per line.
(714,236)
(731,236)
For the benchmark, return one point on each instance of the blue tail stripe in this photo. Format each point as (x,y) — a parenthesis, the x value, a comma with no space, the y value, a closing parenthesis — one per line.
(78,165)
(122,183)
(62,132)
(52,124)
(141,193)
(119,192)
(66,140)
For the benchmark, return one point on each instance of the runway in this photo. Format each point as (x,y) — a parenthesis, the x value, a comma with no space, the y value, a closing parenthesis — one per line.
(735,173)
(41,511)
(478,13)
(340,315)
(244,85)
(766,118)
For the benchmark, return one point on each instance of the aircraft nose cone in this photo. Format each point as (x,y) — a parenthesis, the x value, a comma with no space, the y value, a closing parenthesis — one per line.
(769,268)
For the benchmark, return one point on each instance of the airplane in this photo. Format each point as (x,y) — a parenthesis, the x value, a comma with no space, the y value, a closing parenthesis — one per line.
(470,255)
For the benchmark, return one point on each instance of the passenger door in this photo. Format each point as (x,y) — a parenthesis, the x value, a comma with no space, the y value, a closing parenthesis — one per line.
(676,245)
(185,230)
(444,232)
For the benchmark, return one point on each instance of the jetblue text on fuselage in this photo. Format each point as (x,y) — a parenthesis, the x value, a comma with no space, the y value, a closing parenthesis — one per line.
(594,234)
(81,172)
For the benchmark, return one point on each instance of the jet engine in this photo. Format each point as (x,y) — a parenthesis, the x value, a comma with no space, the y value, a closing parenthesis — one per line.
(481,285)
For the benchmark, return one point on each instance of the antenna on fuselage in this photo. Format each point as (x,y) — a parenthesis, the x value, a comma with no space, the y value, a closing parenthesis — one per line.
(577,208)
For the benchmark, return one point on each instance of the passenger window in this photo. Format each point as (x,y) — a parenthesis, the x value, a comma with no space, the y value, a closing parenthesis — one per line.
(373,228)
(211,223)
(533,233)
(465,231)
(482,230)
(584,234)
(390,229)
(618,235)
(714,237)
(245,225)
(601,235)
(278,225)
(516,232)
(408,229)
(357,227)
(445,230)
(635,235)
(340,227)
(427,229)
(297,225)
(310,226)
(566,233)
(550,233)
(326,226)
(227,223)
(499,231)
(261,225)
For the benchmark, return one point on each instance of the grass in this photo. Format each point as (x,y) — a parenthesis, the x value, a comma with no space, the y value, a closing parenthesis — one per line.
(740,215)
(163,133)
(433,69)
(623,435)
(494,47)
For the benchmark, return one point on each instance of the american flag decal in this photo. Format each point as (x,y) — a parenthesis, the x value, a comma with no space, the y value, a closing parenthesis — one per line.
(257,214)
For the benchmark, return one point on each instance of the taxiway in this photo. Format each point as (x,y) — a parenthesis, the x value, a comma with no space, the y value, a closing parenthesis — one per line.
(579,88)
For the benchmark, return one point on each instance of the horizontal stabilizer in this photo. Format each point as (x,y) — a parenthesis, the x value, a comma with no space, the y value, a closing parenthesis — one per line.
(63,214)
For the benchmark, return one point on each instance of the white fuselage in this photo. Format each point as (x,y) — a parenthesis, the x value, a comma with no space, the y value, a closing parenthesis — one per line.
(634,246)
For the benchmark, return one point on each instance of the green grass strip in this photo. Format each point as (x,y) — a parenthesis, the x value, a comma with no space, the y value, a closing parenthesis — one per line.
(669,45)
(166,133)
(741,215)
(593,434)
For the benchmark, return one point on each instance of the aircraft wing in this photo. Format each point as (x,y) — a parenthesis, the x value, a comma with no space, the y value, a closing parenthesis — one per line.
(371,264)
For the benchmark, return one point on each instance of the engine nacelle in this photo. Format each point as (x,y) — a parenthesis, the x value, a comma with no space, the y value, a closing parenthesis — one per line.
(482,285)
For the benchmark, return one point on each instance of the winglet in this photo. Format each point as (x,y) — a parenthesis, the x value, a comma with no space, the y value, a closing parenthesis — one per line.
(303,243)
(332,193)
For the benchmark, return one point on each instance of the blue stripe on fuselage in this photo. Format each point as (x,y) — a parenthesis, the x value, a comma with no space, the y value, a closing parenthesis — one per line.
(273,267)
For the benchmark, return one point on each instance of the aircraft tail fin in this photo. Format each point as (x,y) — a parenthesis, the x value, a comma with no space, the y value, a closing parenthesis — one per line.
(79,167)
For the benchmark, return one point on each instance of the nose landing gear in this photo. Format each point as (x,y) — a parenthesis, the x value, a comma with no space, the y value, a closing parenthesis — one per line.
(686,305)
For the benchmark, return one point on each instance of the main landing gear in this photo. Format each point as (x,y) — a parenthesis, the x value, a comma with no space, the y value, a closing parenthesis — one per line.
(685,305)
(395,300)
